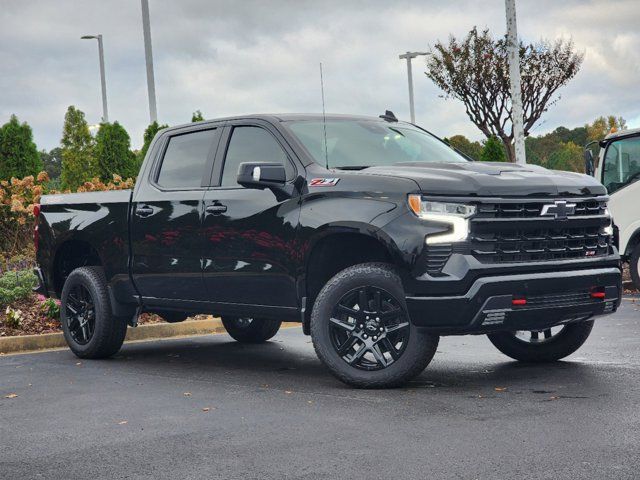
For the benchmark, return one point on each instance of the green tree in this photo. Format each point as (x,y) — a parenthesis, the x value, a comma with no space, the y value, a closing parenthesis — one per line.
(197,116)
(52,162)
(18,154)
(149,134)
(568,157)
(113,152)
(78,163)
(602,126)
(493,151)
(466,146)
(475,71)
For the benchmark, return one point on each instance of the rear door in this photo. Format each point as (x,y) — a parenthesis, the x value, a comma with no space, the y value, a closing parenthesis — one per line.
(166,221)
(250,251)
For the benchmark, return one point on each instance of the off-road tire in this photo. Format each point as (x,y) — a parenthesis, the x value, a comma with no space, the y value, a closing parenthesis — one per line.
(570,339)
(420,347)
(109,330)
(634,266)
(257,331)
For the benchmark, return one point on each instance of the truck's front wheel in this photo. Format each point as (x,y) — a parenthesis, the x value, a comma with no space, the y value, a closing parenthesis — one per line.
(90,329)
(546,345)
(361,330)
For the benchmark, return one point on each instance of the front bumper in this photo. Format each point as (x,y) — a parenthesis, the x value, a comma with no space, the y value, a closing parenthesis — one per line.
(552,298)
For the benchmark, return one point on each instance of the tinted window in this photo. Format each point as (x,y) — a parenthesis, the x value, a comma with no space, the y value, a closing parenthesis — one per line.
(251,144)
(185,159)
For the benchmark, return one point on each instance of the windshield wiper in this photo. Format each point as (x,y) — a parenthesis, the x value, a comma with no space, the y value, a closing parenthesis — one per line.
(352,167)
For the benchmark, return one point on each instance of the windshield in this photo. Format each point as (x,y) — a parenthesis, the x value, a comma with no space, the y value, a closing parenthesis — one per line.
(621,164)
(354,144)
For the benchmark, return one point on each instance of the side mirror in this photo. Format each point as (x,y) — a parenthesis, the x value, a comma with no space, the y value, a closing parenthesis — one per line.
(262,175)
(588,162)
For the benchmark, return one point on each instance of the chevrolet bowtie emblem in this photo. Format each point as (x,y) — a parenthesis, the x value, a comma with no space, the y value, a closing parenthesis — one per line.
(559,209)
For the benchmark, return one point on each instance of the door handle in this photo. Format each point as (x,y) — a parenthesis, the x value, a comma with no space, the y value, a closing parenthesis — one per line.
(144,210)
(216,209)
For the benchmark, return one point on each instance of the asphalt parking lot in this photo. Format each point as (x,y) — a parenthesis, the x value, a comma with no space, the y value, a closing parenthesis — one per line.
(207,407)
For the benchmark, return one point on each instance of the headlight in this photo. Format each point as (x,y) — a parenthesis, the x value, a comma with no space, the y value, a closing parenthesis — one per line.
(456,215)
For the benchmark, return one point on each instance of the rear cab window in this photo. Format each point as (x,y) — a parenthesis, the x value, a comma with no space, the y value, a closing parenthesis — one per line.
(186,159)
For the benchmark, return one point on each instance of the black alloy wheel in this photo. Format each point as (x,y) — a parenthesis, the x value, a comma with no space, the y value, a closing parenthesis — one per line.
(361,331)
(80,314)
(368,328)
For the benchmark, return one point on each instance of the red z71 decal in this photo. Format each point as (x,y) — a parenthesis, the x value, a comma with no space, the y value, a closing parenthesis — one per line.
(323,182)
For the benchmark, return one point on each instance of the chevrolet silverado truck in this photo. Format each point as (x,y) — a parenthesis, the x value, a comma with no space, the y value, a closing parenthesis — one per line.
(372,233)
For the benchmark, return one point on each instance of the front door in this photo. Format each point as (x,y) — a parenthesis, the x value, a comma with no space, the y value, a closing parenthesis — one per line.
(166,220)
(250,249)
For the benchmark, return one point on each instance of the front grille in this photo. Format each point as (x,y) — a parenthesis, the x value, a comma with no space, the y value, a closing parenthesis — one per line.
(526,236)
(534,209)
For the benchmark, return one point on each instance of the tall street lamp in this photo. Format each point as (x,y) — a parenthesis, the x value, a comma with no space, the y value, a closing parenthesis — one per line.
(148,55)
(513,54)
(408,56)
(105,111)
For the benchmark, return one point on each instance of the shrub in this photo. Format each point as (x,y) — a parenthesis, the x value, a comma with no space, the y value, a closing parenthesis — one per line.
(13,317)
(51,308)
(19,197)
(16,286)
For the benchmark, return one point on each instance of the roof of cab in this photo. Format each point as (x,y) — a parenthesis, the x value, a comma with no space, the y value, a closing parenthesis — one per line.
(623,133)
(284,117)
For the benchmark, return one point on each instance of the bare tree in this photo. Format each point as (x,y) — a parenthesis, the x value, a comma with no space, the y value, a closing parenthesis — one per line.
(475,70)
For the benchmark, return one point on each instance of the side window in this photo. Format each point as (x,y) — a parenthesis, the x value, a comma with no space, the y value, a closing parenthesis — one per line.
(251,144)
(621,164)
(185,159)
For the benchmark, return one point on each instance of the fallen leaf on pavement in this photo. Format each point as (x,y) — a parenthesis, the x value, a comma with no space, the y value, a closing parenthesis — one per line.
(206,409)
(288,392)
(187,394)
(123,422)
(500,389)
(11,395)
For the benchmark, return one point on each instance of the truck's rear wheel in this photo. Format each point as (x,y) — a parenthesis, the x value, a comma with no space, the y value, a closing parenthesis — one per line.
(634,266)
(251,330)
(89,328)
(546,345)
(362,333)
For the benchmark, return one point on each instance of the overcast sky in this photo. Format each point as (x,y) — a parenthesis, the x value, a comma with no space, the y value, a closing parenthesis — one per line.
(228,57)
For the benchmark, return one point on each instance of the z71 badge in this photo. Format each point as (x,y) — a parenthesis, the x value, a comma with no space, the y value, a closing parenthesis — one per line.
(323,182)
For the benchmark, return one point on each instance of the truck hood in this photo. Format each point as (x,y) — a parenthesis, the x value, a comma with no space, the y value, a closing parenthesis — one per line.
(491,179)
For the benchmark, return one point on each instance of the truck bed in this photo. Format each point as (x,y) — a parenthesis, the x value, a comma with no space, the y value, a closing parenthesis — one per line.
(65,220)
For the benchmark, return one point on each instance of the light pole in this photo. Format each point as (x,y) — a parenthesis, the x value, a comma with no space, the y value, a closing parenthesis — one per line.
(513,54)
(408,56)
(105,111)
(148,55)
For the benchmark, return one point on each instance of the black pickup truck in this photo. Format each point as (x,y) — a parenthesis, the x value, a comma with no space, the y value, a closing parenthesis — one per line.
(373,233)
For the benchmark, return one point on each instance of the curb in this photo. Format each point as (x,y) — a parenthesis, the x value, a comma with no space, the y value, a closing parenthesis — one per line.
(155,331)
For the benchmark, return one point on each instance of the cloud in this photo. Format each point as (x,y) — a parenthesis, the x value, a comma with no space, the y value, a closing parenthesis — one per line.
(233,57)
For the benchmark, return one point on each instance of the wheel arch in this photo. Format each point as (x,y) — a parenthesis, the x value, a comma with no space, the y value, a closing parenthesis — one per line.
(634,240)
(337,247)
(69,255)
